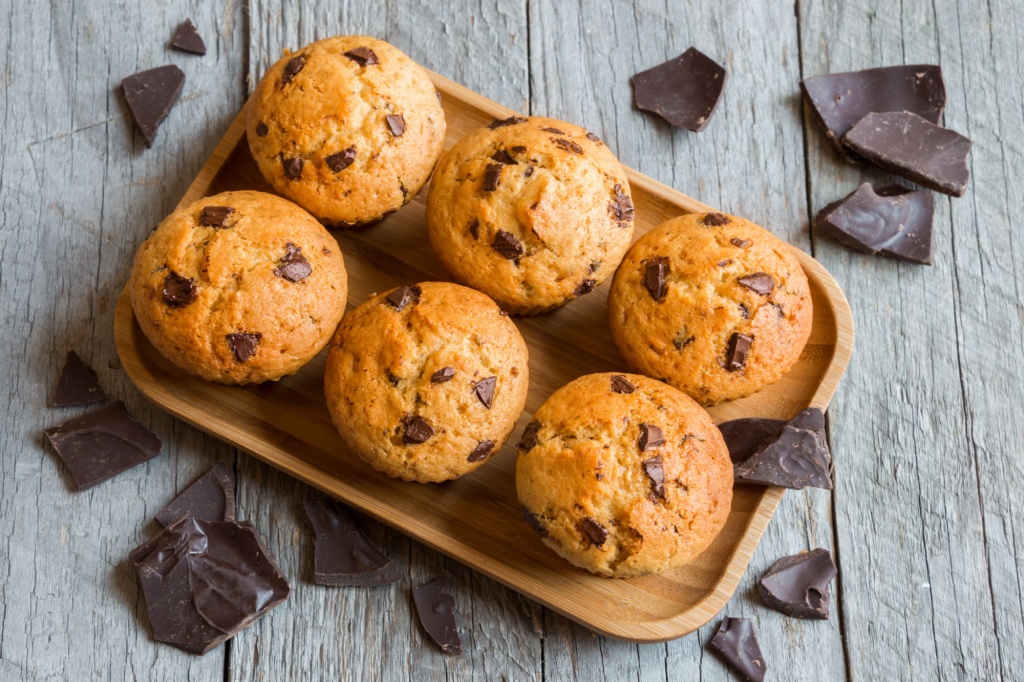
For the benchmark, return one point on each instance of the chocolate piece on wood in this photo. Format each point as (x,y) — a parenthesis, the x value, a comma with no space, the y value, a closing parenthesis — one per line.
(796,457)
(211,497)
(798,585)
(151,95)
(684,91)
(736,642)
(435,606)
(342,554)
(77,384)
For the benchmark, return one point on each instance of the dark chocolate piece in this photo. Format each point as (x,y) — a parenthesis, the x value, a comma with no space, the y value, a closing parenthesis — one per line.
(502,122)
(507,245)
(736,353)
(294,266)
(474,228)
(363,56)
(481,451)
(436,608)
(741,243)
(211,497)
(620,384)
(403,296)
(187,39)
(529,438)
(556,131)
(908,145)
(342,160)
(622,207)
(215,216)
(736,642)
(293,167)
(485,390)
(891,221)
(151,95)
(593,138)
(684,91)
(567,145)
(655,470)
(839,100)
(535,523)
(179,291)
(342,554)
(502,156)
(292,68)
(101,444)
(442,375)
(651,436)
(715,219)
(654,277)
(798,585)
(760,283)
(262,129)
(77,384)
(584,287)
(417,431)
(594,531)
(396,124)
(204,581)
(742,436)
(492,176)
(681,340)
(244,344)
(795,457)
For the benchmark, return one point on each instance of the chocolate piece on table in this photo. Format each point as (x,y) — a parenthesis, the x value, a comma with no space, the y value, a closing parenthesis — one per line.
(485,390)
(906,144)
(77,384)
(796,457)
(742,436)
(435,606)
(187,39)
(684,91)
(891,221)
(243,344)
(798,585)
(736,642)
(342,555)
(736,353)
(211,497)
(203,581)
(839,100)
(481,451)
(620,384)
(151,95)
(294,266)
(403,296)
(101,444)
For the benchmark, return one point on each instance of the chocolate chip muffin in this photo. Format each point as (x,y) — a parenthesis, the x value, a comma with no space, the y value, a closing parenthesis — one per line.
(348,127)
(623,475)
(712,304)
(425,383)
(533,212)
(239,288)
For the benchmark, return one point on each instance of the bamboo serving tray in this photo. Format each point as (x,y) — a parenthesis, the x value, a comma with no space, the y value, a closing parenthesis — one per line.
(477,519)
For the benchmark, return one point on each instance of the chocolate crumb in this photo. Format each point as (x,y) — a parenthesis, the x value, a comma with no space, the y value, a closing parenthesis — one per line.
(567,145)
(262,129)
(584,287)
(502,122)
(620,384)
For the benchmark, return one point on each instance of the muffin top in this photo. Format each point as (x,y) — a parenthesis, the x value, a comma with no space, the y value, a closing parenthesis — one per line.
(348,127)
(533,211)
(239,287)
(713,304)
(623,475)
(426,383)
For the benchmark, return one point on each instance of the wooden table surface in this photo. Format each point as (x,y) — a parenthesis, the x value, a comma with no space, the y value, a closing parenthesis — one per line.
(926,428)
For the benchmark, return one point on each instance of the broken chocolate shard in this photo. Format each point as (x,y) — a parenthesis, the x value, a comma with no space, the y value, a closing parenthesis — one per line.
(529,438)
(417,431)
(684,91)
(736,353)
(890,221)
(567,145)
(502,122)
(484,390)
(442,375)
(622,207)
(342,554)
(651,436)
(492,176)
(204,581)
(293,167)
(77,384)
(507,245)
(740,243)
(101,444)
(215,216)
(151,95)
(187,39)
(798,585)
(244,344)
(294,266)
(435,606)
(908,145)
(211,497)
(179,291)
(363,56)
(742,436)
(584,287)
(795,457)
(535,523)
(736,642)
(594,531)
(839,100)
(292,69)
(655,273)
(403,296)
(262,129)
(342,160)
(620,384)
(655,470)
(760,283)
(396,124)
(502,156)
(716,220)
(481,451)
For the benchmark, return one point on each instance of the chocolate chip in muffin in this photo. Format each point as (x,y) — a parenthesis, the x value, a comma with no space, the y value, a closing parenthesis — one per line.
(179,291)
(151,95)
(584,287)
(534,522)
(292,68)
(651,436)
(215,216)
(620,384)
(502,122)
(529,439)
(363,56)
(262,129)
(594,531)
(294,266)
(442,375)
(736,355)
(528,172)
(556,131)
(741,243)
(593,138)
(392,379)
(502,156)
(342,160)
(403,296)
(244,344)
(484,390)
(396,124)
(715,219)
(567,145)
(622,207)
(492,176)
(417,431)
(655,470)
(481,451)
(682,340)
(293,167)
(474,228)
(507,245)
(654,277)
(760,283)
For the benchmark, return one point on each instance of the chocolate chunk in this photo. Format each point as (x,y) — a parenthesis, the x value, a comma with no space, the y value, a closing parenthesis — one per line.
(535,523)
(396,124)
(795,457)
(293,167)
(292,68)
(760,283)
(262,129)
(363,56)
(485,390)
(342,160)
(736,642)
(519,149)
(741,243)
(481,451)
(211,497)
(594,530)
(891,221)
(556,131)
(502,156)
(187,39)
(651,436)
(620,384)
(403,296)
(655,470)
(442,375)
(681,341)
(215,216)
(474,228)
(744,311)
(528,172)
(622,207)
(392,379)
(507,245)
(77,384)
(502,122)
(436,608)
(839,100)
(179,291)
(204,581)
(342,554)
(101,444)
(593,138)
(151,95)
(529,439)
(567,145)
(736,354)
(798,585)
(244,344)
(908,145)
(417,431)
(294,266)
(492,176)
(584,287)
(655,273)
(742,436)
(684,91)
(716,220)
